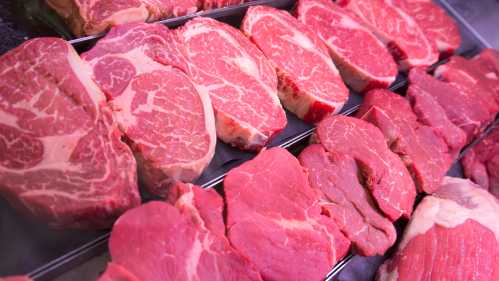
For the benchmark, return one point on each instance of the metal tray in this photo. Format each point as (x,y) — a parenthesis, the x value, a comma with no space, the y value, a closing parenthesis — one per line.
(43,253)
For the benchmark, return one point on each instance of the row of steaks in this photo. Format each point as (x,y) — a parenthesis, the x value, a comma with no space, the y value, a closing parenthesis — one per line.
(69,126)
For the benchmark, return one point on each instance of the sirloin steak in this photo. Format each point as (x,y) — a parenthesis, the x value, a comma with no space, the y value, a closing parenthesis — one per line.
(168,124)
(161,242)
(363,60)
(481,163)
(309,83)
(434,22)
(61,157)
(453,235)
(88,17)
(384,173)
(423,152)
(335,176)
(240,81)
(274,218)
(399,31)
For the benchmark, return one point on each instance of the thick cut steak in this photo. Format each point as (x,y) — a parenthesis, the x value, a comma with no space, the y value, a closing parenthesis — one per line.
(241,82)
(434,22)
(86,17)
(362,59)
(471,79)
(462,110)
(481,163)
(160,242)
(115,272)
(310,86)
(453,235)
(335,176)
(489,59)
(61,157)
(399,31)
(423,152)
(274,218)
(384,173)
(169,125)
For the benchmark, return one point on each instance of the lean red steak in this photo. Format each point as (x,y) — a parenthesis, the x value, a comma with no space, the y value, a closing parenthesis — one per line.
(213,4)
(274,218)
(115,272)
(481,163)
(335,176)
(424,153)
(434,22)
(161,242)
(310,86)
(453,235)
(471,79)
(363,60)
(462,109)
(489,60)
(399,31)
(61,155)
(241,82)
(168,124)
(430,113)
(384,173)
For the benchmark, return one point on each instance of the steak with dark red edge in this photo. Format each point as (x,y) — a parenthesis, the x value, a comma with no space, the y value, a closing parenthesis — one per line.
(424,153)
(309,84)
(93,17)
(481,163)
(241,82)
(363,60)
(461,109)
(436,25)
(115,272)
(61,155)
(335,176)
(399,31)
(385,175)
(452,235)
(169,124)
(161,242)
(275,219)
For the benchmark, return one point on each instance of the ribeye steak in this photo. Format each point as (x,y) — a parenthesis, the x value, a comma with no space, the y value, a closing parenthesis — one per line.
(362,59)
(385,174)
(61,157)
(335,176)
(169,125)
(274,218)
(239,79)
(309,83)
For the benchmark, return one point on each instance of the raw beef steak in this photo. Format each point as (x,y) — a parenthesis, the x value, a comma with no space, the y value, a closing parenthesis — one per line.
(362,59)
(213,4)
(435,24)
(92,17)
(384,173)
(400,32)
(169,125)
(159,242)
(481,163)
(274,218)
(346,201)
(423,152)
(115,272)
(430,113)
(309,84)
(241,82)
(453,235)
(61,157)
(489,59)
(462,110)
(16,278)
(469,78)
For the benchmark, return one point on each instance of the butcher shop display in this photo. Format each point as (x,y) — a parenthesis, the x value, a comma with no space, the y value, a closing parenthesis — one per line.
(453,235)
(309,85)
(260,141)
(168,124)
(362,59)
